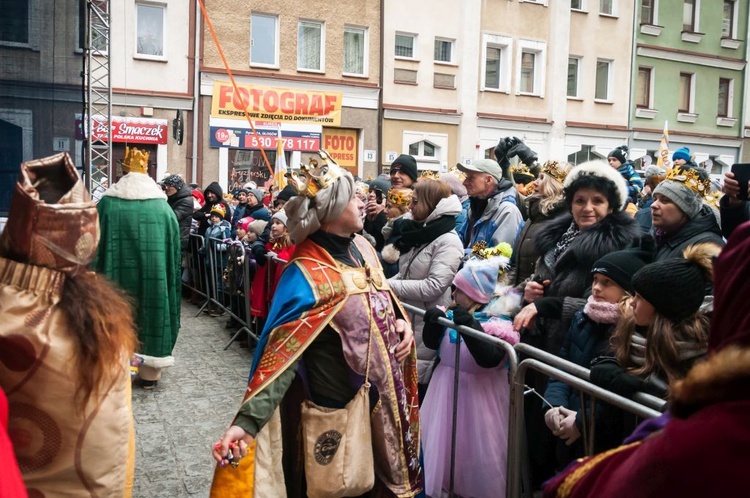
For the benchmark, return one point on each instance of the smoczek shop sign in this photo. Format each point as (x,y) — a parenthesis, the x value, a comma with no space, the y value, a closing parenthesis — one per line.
(276,104)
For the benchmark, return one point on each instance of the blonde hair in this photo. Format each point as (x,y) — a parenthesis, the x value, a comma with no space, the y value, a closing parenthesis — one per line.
(550,190)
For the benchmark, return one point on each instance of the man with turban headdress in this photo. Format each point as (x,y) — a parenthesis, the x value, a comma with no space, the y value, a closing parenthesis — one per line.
(331,298)
(140,252)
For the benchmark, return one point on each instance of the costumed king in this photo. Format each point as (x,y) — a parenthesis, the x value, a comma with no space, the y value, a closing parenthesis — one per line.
(140,251)
(337,324)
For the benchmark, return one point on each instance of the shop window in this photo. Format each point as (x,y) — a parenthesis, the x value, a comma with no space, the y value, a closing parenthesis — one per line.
(149,23)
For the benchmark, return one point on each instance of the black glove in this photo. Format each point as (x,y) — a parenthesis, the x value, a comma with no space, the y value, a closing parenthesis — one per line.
(612,377)
(259,253)
(502,148)
(432,315)
(461,316)
(526,155)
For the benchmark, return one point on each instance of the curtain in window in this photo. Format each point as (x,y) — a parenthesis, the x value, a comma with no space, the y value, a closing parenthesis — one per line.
(150,30)
(308,53)
(527,72)
(572,77)
(602,80)
(354,51)
(492,68)
(442,50)
(404,46)
(643,87)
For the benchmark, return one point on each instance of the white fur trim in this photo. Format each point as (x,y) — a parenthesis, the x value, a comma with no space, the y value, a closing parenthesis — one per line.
(390,254)
(156,362)
(135,187)
(603,170)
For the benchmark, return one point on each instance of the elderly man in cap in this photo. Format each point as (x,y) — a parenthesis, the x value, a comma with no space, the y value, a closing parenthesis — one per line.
(404,172)
(680,217)
(494,216)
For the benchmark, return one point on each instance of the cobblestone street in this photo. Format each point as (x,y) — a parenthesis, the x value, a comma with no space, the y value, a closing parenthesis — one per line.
(177,422)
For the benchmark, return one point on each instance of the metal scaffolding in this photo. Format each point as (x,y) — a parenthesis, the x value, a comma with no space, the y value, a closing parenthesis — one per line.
(98,97)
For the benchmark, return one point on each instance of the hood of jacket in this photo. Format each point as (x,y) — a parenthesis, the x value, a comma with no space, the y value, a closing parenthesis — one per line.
(449,206)
(216,189)
(183,193)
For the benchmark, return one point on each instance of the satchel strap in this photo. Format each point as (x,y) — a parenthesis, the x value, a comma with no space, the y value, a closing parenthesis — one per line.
(369,334)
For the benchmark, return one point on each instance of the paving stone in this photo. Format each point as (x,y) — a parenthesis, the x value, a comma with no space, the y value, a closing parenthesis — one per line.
(191,406)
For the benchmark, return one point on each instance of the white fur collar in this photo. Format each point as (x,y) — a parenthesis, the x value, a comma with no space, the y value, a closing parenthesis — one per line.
(135,187)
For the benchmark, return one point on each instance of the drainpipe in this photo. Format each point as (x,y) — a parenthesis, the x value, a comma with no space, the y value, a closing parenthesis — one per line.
(633,75)
(378,154)
(196,89)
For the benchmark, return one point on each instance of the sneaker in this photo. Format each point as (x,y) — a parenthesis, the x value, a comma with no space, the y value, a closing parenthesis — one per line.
(216,312)
(148,385)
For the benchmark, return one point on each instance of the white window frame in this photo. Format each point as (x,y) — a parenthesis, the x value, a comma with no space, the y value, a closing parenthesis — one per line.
(163,56)
(438,140)
(414,54)
(610,14)
(366,50)
(655,15)
(539,49)
(730,98)
(275,18)
(538,2)
(579,59)
(735,18)
(610,80)
(452,58)
(322,67)
(583,8)
(505,44)
(652,78)
(697,14)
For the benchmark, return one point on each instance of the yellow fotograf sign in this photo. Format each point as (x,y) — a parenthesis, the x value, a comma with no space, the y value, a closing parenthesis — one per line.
(276,104)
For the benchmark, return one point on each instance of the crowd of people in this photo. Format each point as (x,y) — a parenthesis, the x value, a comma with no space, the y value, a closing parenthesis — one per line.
(612,271)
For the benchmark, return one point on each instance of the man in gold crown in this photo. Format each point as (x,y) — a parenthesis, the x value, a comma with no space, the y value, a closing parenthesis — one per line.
(333,321)
(679,215)
(140,252)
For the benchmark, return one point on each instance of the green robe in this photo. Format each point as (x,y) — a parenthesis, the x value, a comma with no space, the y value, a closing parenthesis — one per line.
(140,251)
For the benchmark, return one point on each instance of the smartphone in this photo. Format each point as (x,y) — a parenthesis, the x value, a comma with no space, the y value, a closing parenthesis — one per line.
(741,173)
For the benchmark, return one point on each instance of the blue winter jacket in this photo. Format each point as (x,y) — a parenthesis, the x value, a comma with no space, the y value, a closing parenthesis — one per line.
(500,222)
(635,183)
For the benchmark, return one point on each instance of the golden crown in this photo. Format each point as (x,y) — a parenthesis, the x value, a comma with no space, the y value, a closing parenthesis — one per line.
(481,251)
(400,197)
(432,175)
(691,179)
(553,169)
(136,161)
(314,176)
(521,169)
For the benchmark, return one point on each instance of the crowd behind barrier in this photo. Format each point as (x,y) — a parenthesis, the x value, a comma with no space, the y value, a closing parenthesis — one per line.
(208,269)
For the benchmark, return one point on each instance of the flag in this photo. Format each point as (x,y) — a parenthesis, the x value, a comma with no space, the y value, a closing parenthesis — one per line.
(280,167)
(663,160)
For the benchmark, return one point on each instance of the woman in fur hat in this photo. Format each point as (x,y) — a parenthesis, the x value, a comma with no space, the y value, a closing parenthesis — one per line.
(698,448)
(569,245)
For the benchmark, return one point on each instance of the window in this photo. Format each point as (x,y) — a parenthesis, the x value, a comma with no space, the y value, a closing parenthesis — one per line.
(531,64)
(685,93)
(496,62)
(310,43)
(264,40)
(607,7)
(576,4)
(648,11)
(423,149)
(688,16)
(150,30)
(443,50)
(573,67)
(725,98)
(405,45)
(727,22)
(643,88)
(14,26)
(355,48)
(603,77)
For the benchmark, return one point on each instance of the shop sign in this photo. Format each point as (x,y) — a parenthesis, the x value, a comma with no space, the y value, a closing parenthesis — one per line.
(276,104)
(124,129)
(267,139)
(342,145)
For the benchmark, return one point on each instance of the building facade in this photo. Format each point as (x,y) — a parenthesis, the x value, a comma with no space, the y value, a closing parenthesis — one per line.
(690,72)
(307,72)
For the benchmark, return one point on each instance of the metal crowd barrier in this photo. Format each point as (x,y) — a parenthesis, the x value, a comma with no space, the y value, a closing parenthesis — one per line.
(196,268)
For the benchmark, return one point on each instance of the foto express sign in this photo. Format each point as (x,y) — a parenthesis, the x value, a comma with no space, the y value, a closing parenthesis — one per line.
(276,104)
(342,145)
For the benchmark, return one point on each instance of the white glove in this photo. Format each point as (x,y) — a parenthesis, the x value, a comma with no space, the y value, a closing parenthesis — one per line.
(552,418)
(568,430)
(271,255)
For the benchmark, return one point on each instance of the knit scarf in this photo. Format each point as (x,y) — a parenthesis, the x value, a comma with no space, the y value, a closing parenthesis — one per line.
(602,312)
(567,238)
(414,234)
(687,350)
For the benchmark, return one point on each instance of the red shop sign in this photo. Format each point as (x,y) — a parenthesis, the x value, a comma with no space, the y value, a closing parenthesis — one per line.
(131,130)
